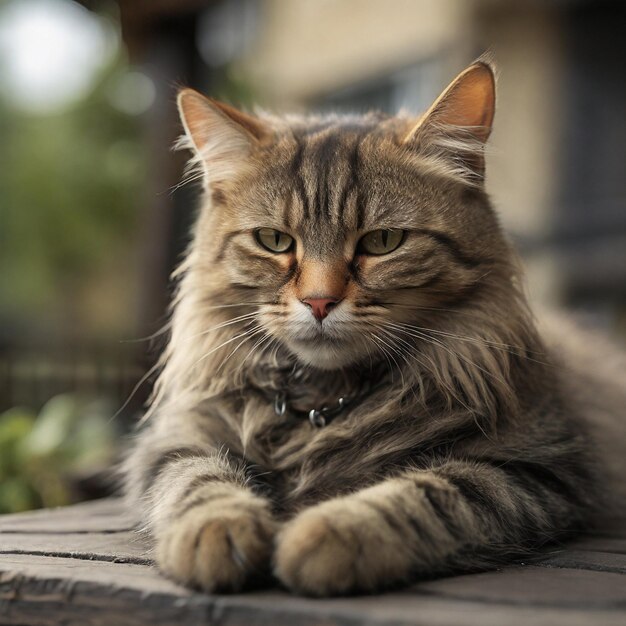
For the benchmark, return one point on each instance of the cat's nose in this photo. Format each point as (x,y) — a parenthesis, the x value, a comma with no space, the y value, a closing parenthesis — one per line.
(320,307)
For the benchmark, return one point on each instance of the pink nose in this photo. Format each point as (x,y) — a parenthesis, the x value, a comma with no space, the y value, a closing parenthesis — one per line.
(320,307)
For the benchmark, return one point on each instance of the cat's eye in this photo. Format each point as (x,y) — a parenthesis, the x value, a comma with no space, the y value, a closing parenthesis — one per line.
(381,241)
(274,240)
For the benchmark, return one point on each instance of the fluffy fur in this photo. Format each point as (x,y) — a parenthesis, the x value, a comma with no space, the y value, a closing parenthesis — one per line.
(468,440)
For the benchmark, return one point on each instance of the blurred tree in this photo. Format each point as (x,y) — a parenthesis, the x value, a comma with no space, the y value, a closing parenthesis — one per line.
(69,188)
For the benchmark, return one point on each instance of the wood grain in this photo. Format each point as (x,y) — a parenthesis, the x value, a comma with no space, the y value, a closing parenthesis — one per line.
(86,565)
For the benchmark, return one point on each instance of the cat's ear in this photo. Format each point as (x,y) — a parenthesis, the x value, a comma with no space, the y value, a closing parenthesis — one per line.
(456,127)
(221,137)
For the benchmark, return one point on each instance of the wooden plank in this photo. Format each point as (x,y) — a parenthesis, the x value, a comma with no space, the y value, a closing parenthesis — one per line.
(142,578)
(82,565)
(133,547)
(587,560)
(44,591)
(123,547)
(109,515)
(536,586)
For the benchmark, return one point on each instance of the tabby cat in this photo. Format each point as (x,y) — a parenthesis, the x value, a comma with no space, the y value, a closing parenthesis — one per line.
(355,394)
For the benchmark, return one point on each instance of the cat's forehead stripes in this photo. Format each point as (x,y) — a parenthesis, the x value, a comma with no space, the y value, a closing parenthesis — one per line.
(325,181)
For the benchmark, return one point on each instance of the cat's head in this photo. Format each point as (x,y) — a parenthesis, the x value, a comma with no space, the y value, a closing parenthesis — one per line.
(346,233)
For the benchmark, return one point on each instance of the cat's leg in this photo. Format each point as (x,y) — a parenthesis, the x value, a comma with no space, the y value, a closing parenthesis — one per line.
(210,529)
(419,524)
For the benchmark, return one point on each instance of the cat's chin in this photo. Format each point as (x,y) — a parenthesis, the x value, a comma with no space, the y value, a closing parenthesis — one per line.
(324,356)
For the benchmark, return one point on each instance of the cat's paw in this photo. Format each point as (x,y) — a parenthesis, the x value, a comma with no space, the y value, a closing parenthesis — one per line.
(340,547)
(217,548)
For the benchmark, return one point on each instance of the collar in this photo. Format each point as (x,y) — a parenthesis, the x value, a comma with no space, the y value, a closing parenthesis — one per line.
(324,415)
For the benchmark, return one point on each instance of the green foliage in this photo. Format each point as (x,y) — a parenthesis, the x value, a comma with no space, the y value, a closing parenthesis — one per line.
(70,188)
(39,454)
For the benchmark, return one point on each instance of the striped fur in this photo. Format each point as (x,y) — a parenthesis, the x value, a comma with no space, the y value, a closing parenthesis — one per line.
(475,443)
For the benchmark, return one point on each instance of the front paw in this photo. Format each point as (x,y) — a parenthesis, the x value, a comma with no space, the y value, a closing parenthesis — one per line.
(339,547)
(218,548)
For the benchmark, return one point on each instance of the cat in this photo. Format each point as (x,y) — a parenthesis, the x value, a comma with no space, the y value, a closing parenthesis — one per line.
(355,394)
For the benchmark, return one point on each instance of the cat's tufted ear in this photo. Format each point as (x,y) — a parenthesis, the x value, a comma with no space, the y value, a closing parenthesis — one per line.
(221,137)
(455,129)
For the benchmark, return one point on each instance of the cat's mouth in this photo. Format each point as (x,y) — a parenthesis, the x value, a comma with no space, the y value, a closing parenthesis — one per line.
(321,334)
(332,343)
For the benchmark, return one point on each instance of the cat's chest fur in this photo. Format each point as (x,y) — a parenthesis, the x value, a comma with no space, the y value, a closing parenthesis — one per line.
(377,433)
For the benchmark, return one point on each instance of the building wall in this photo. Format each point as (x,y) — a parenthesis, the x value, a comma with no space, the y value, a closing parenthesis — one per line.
(310,47)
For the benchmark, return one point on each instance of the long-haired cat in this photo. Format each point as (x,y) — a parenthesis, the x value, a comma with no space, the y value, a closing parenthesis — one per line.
(355,394)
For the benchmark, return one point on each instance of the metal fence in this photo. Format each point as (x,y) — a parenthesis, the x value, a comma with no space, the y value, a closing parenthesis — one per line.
(32,374)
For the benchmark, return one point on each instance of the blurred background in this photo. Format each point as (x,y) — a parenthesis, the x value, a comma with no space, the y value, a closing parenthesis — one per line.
(92,220)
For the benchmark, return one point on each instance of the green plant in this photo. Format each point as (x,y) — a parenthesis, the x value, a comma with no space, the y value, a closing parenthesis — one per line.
(40,454)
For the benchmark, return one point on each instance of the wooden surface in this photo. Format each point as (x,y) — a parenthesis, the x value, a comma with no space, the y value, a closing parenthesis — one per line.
(86,565)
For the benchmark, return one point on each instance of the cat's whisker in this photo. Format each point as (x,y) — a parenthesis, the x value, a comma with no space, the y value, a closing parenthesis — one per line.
(256,347)
(408,350)
(428,339)
(233,305)
(244,340)
(186,180)
(247,333)
(477,340)
(395,349)
(414,352)
(417,307)
(134,390)
(236,320)
(241,343)
(156,366)
(396,338)
(384,347)
(458,355)
(433,340)
(154,335)
(517,351)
